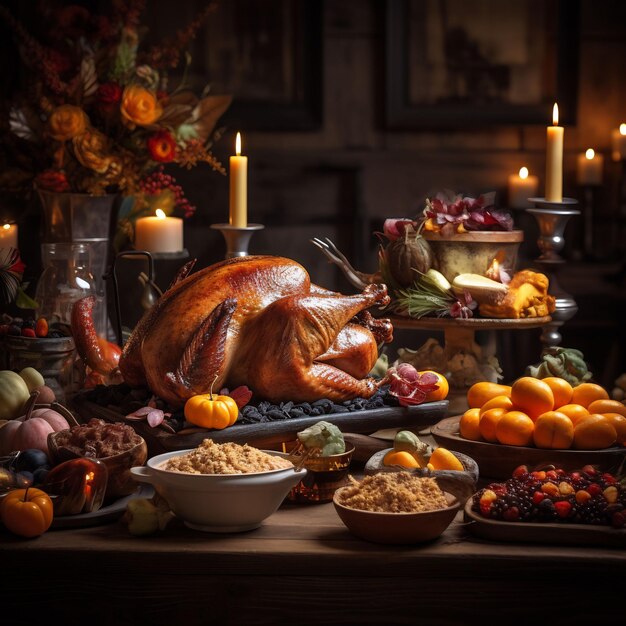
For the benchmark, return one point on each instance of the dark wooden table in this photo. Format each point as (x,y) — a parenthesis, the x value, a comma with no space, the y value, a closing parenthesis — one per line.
(301,566)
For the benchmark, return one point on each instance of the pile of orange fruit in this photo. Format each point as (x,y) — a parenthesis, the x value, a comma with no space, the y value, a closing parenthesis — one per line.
(545,413)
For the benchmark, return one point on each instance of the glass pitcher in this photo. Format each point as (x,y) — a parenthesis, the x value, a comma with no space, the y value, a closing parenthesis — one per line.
(67,277)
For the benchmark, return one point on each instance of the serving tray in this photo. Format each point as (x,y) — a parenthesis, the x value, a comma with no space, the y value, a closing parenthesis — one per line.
(545,533)
(270,434)
(498,461)
(103,515)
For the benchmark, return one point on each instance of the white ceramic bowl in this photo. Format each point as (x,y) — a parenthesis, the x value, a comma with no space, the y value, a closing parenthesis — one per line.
(221,503)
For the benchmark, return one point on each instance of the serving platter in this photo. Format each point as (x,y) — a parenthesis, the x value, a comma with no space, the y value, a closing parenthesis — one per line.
(498,460)
(271,433)
(103,515)
(545,533)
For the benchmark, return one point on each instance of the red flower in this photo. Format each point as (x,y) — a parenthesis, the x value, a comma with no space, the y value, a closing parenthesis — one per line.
(53,180)
(162,147)
(108,95)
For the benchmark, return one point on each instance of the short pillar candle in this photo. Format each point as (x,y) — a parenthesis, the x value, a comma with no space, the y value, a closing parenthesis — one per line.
(159,233)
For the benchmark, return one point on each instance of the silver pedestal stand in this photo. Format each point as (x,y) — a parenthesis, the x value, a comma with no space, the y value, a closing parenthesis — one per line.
(237,238)
(552,218)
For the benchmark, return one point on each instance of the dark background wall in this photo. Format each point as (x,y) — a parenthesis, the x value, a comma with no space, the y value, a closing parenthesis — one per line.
(344,171)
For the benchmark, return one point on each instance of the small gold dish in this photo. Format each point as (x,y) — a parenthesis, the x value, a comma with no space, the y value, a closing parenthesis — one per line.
(325,474)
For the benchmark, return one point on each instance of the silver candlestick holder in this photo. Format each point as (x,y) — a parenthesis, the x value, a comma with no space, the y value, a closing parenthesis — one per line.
(237,238)
(552,218)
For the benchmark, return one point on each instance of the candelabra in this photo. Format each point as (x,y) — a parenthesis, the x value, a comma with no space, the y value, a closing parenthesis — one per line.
(237,238)
(552,217)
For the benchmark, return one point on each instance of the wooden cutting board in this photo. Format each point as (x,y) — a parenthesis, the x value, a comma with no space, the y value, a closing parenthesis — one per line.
(269,435)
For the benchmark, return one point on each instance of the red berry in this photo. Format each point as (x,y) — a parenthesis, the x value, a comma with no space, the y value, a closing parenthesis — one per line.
(511,514)
(618,519)
(609,478)
(28,332)
(538,496)
(41,327)
(552,475)
(485,507)
(563,508)
(520,471)
(594,489)
(590,469)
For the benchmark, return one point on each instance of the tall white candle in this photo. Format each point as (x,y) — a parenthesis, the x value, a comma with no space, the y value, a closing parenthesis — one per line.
(618,143)
(159,233)
(521,187)
(8,236)
(238,215)
(589,168)
(554,159)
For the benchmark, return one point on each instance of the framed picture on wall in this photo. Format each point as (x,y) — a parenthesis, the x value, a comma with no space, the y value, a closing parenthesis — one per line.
(266,53)
(457,64)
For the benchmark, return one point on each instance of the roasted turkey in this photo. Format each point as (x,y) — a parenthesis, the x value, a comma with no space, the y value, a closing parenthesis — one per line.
(255,321)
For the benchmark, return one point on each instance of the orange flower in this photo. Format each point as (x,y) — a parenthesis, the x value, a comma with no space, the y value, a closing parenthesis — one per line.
(91,149)
(140,106)
(162,147)
(66,122)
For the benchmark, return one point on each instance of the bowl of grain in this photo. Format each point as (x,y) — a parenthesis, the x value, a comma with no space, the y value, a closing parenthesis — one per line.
(395,508)
(221,488)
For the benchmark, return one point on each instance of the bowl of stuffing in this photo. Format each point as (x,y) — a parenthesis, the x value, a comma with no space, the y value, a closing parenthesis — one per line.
(395,508)
(221,488)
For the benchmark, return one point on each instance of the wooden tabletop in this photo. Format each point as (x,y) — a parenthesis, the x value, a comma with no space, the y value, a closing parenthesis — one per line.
(301,566)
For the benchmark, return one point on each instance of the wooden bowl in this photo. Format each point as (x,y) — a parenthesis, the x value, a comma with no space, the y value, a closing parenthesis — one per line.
(460,484)
(397,528)
(120,481)
(498,461)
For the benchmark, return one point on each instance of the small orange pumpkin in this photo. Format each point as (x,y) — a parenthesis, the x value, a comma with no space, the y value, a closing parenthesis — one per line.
(211,411)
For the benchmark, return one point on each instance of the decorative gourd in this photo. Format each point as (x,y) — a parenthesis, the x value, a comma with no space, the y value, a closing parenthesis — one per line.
(31,430)
(27,512)
(407,256)
(13,394)
(211,411)
(32,378)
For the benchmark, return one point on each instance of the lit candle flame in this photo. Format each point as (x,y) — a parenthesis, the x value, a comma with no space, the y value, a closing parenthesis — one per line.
(590,154)
(160,214)
(622,129)
(493,271)
(555,114)
(523,172)
(238,144)
(6,226)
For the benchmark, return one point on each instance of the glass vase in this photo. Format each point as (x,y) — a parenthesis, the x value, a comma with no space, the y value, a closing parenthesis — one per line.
(66,278)
(75,218)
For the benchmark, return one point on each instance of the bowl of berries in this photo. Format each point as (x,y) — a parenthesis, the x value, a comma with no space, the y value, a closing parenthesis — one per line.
(30,342)
(551,505)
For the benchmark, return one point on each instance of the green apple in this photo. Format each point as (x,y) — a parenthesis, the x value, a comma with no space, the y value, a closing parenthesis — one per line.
(32,378)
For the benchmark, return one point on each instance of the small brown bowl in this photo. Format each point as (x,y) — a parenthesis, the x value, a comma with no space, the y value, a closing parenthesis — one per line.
(397,528)
(120,481)
(325,474)
(461,484)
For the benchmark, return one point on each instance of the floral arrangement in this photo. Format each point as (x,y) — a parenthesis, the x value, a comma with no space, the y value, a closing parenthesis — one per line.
(448,213)
(99,114)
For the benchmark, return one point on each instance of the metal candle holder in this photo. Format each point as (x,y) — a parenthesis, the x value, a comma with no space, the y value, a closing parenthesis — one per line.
(552,218)
(237,238)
